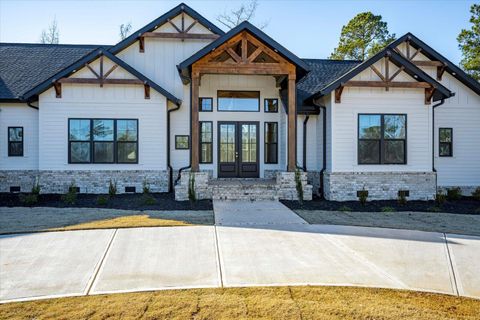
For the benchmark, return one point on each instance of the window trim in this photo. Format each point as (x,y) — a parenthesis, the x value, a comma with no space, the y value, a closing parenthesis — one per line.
(450,143)
(256,91)
(9,142)
(200,143)
(265,143)
(265,105)
(382,139)
(180,136)
(91,141)
(200,104)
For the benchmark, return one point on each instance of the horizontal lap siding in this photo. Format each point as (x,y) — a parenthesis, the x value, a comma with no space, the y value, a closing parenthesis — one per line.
(19,115)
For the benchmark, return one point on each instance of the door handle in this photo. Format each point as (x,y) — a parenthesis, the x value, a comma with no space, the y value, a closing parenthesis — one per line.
(236,154)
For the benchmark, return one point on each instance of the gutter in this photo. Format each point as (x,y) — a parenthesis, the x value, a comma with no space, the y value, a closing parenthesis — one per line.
(170,172)
(433,140)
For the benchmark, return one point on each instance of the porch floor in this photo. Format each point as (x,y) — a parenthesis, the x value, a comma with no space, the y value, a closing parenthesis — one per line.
(242,182)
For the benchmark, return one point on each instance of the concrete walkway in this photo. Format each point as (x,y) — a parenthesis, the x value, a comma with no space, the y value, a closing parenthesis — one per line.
(250,246)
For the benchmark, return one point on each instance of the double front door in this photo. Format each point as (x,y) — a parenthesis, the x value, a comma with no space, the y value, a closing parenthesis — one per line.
(238,149)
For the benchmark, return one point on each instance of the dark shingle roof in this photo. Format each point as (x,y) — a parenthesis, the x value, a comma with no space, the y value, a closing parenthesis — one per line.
(25,65)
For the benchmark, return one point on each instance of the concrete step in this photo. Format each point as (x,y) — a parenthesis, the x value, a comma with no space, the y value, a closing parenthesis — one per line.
(244,190)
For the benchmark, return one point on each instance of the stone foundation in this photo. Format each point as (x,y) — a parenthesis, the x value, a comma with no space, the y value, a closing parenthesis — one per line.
(287,186)
(199,183)
(89,181)
(343,186)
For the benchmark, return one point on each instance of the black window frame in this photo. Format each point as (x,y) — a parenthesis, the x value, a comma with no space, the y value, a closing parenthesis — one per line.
(251,91)
(383,139)
(201,142)
(115,142)
(200,104)
(10,154)
(266,144)
(265,101)
(182,136)
(440,142)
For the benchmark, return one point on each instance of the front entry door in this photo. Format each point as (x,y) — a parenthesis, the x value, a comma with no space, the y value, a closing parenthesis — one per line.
(238,150)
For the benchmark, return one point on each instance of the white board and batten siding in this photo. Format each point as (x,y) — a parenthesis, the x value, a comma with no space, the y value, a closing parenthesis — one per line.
(19,115)
(343,124)
(107,102)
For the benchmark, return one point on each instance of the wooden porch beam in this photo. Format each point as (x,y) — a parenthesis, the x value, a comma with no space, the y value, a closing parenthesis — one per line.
(381,84)
(234,55)
(99,81)
(419,63)
(195,154)
(166,35)
(292,124)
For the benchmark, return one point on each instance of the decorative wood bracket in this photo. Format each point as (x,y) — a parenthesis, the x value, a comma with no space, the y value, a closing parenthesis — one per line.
(338,94)
(428,95)
(147,91)
(440,71)
(141,44)
(58,89)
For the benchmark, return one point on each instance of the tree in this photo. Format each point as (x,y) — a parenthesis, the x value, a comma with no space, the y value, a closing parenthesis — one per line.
(363,36)
(469,44)
(246,12)
(50,36)
(125,29)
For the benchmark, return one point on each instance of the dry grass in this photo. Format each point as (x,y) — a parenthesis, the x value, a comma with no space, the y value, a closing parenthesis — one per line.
(124,222)
(252,303)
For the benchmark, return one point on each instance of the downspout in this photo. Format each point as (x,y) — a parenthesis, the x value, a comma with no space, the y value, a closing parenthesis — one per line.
(433,140)
(190,146)
(170,169)
(304,150)
(324,145)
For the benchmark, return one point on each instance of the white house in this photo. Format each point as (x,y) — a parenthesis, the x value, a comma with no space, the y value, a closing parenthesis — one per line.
(181,105)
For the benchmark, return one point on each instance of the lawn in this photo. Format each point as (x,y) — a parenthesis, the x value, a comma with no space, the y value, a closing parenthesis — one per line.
(252,303)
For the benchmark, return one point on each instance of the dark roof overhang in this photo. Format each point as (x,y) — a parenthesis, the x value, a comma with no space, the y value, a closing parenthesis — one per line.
(182,7)
(184,68)
(441,92)
(89,58)
(433,55)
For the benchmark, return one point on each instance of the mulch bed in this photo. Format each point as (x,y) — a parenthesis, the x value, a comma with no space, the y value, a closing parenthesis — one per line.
(163,201)
(464,206)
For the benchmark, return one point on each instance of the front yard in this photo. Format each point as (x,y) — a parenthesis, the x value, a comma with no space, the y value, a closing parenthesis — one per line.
(251,303)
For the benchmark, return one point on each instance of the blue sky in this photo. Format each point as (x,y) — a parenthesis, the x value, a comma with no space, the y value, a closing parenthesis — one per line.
(308,28)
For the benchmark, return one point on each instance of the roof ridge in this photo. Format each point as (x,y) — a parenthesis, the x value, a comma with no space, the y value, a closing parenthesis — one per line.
(334,60)
(32,44)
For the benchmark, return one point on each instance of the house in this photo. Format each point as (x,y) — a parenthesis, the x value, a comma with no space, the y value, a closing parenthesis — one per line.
(180,105)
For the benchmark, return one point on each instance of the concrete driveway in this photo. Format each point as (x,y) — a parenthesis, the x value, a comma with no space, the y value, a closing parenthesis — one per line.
(244,249)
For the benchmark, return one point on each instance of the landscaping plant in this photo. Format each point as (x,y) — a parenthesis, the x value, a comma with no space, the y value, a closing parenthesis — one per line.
(32,198)
(70,197)
(191,188)
(440,197)
(402,199)
(299,186)
(454,194)
(388,209)
(345,209)
(146,186)
(112,188)
(102,201)
(148,200)
(362,196)
(476,194)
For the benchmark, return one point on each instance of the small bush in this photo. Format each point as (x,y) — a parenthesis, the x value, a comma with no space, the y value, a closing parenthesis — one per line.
(388,209)
(362,196)
(402,199)
(70,197)
(434,209)
(112,188)
(299,186)
(440,197)
(146,186)
(345,209)
(477,210)
(29,199)
(476,194)
(102,201)
(36,188)
(454,194)
(148,200)
(191,188)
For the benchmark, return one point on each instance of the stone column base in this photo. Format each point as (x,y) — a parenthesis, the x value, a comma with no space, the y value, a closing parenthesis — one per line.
(343,186)
(287,186)
(193,183)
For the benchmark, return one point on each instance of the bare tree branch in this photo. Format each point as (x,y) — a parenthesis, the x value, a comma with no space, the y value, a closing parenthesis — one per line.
(125,29)
(52,35)
(246,12)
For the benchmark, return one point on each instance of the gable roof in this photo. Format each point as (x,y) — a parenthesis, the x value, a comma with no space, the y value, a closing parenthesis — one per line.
(89,58)
(25,65)
(432,54)
(302,67)
(441,92)
(182,7)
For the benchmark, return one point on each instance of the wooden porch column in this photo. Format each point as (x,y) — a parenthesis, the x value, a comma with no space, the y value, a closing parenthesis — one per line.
(195,126)
(292,123)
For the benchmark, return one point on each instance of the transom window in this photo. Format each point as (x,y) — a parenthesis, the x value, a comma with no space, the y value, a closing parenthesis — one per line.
(270,105)
(15,141)
(271,142)
(103,141)
(248,101)
(206,140)
(382,139)
(206,104)
(445,148)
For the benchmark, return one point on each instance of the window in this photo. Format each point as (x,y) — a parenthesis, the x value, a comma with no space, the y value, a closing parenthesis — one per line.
(382,139)
(15,141)
(270,105)
(445,148)
(238,101)
(271,142)
(103,141)
(206,139)
(182,142)
(206,104)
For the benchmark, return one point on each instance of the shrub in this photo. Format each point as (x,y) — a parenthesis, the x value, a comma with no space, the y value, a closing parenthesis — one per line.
(36,188)
(454,194)
(112,188)
(299,186)
(402,199)
(440,197)
(29,199)
(434,209)
(345,209)
(477,210)
(476,194)
(362,196)
(191,188)
(388,209)
(70,197)
(146,186)
(102,201)
(148,200)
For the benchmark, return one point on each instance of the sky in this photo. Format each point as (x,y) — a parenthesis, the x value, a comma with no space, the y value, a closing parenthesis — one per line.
(308,28)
